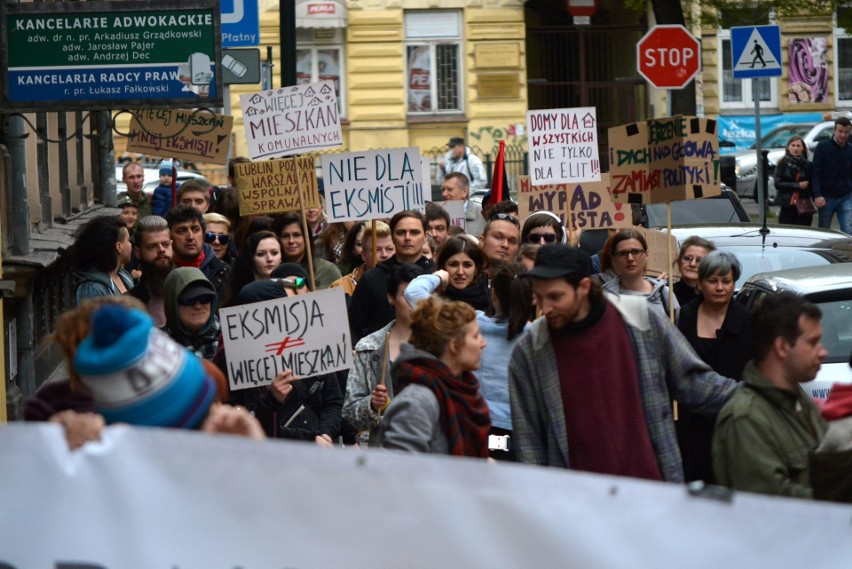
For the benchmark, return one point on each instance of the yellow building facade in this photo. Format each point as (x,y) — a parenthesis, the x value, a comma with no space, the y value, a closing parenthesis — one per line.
(409,72)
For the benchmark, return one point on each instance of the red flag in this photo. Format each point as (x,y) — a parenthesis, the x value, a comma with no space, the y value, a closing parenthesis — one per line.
(499,181)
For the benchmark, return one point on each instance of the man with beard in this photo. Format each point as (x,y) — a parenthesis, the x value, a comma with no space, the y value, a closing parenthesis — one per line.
(153,249)
(187,227)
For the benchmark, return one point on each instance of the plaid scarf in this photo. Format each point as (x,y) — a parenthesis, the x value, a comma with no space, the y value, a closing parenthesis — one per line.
(464,413)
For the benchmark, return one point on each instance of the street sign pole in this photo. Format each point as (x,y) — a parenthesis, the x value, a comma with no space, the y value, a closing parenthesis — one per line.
(761,174)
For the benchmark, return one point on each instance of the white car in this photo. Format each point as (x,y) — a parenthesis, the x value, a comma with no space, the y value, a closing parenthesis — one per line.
(830,288)
(776,142)
(152,179)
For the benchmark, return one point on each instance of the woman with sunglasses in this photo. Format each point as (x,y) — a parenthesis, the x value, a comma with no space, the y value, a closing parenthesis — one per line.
(219,238)
(294,249)
(256,261)
(189,301)
(692,250)
(543,227)
(628,256)
(460,276)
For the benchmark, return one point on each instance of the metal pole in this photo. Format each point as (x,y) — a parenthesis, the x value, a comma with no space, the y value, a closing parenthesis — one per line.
(106,159)
(761,182)
(287,16)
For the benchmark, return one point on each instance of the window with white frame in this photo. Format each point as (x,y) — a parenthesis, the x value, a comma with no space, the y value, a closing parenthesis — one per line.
(433,61)
(319,57)
(843,55)
(738,93)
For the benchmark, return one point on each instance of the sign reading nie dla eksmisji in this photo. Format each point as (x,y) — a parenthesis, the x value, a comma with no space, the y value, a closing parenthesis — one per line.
(277,186)
(300,333)
(563,146)
(196,136)
(291,120)
(373,184)
(660,160)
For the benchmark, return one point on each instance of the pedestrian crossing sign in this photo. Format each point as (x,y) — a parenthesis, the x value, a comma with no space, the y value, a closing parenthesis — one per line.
(756,51)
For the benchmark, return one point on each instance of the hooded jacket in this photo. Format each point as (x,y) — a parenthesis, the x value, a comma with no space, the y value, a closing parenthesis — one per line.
(204,342)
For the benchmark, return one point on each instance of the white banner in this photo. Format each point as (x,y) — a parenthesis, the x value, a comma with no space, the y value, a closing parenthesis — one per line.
(302,333)
(291,120)
(373,184)
(164,499)
(563,146)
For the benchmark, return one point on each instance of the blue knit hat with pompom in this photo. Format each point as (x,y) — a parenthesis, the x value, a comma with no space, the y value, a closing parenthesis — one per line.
(138,375)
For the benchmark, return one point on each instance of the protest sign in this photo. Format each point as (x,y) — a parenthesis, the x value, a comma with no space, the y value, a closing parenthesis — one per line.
(373,184)
(196,136)
(273,186)
(669,159)
(589,203)
(455,209)
(563,146)
(290,120)
(659,259)
(301,333)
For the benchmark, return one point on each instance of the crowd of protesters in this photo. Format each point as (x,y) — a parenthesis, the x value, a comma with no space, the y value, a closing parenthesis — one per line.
(499,339)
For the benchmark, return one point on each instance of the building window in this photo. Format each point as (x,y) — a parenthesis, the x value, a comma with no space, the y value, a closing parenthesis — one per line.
(433,61)
(843,56)
(321,62)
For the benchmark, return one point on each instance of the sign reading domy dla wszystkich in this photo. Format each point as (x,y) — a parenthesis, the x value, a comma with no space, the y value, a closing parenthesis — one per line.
(104,55)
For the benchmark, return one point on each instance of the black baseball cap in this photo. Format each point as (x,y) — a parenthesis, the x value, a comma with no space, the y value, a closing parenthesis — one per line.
(455,141)
(557,260)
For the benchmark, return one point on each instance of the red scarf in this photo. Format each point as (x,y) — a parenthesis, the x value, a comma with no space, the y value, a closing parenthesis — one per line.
(464,414)
(196,262)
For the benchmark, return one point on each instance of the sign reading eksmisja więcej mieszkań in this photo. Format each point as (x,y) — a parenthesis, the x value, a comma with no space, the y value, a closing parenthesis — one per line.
(104,55)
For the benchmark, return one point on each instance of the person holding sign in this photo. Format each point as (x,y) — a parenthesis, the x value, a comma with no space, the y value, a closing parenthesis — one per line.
(628,254)
(294,248)
(439,408)
(291,407)
(369,388)
(456,187)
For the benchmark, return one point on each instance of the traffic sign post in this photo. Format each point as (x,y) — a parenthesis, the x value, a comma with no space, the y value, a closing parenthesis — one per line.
(755,53)
(669,57)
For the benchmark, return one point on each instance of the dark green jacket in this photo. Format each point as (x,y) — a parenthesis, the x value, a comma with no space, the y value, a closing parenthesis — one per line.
(764,436)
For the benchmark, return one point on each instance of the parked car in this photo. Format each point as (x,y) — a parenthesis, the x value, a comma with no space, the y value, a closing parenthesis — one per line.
(776,142)
(784,247)
(830,288)
(152,179)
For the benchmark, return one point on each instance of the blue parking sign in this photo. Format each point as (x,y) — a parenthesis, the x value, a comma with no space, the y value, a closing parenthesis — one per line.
(756,51)
(240,23)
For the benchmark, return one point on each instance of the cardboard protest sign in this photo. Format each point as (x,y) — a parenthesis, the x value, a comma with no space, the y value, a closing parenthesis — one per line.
(301,333)
(196,136)
(563,146)
(669,159)
(588,203)
(658,250)
(273,186)
(455,208)
(373,184)
(291,120)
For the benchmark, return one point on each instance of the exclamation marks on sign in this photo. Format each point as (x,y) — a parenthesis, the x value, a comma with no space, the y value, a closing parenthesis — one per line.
(596,166)
(619,215)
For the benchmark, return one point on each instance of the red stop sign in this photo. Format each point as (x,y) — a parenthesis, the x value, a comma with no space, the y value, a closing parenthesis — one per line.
(668,56)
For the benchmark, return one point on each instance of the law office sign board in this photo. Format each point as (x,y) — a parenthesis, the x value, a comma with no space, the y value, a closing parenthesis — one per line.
(195,136)
(103,55)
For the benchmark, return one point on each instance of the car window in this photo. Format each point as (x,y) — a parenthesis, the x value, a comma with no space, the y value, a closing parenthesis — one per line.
(686,212)
(824,134)
(837,329)
(763,260)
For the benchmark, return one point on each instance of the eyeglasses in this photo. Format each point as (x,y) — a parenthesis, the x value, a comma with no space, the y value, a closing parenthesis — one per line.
(689,259)
(538,237)
(635,253)
(505,217)
(203,299)
(294,284)
(223,238)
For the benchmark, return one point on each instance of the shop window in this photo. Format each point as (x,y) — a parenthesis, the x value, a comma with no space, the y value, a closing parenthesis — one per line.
(843,55)
(433,62)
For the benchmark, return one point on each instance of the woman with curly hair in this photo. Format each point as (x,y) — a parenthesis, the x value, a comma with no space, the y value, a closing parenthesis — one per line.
(438,408)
